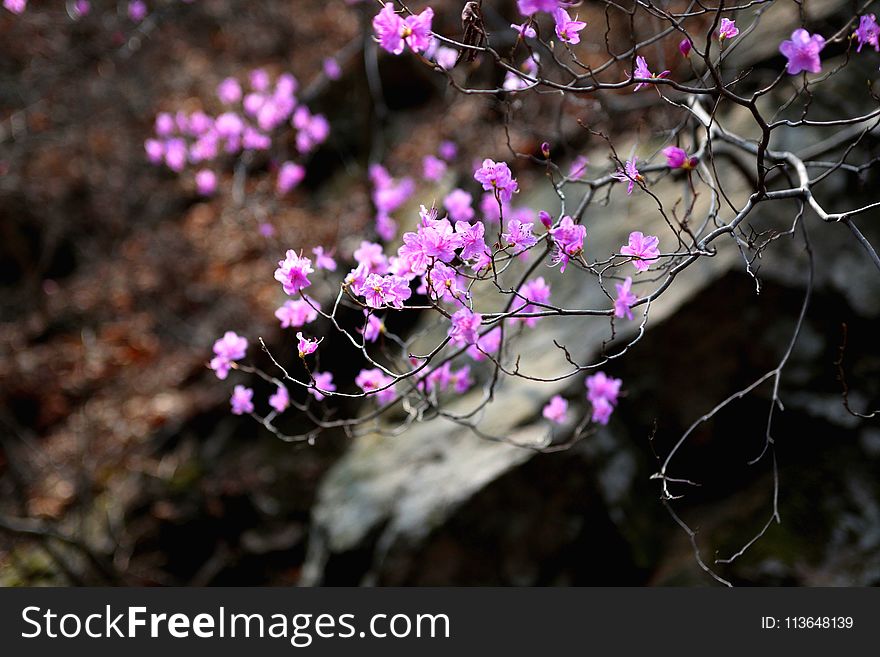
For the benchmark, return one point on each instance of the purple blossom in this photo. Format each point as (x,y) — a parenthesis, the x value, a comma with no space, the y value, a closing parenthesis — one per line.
(677,158)
(447,150)
(465,326)
(372,257)
(229,91)
(305,345)
(802,52)
(393,32)
(293,272)
(323,260)
(642,248)
(137,10)
(601,386)
(868,32)
(155,150)
(444,283)
(578,167)
(375,381)
(473,242)
(727,29)
(684,47)
(566,28)
(82,8)
(461,379)
(602,410)
(530,7)
(259,79)
(490,209)
(231,347)
(332,69)
(322,381)
(536,291)
(488,343)
(439,240)
(625,299)
(242,400)
(629,174)
(545,219)
(525,30)
(644,73)
(569,240)
(176,154)
(297,313)
(388,290)
(458,205)
(15,6)
(290,175)
(496,177)
(373,327)
(280,400)
(556,409)
(519,234)
(206,182)
(433,168)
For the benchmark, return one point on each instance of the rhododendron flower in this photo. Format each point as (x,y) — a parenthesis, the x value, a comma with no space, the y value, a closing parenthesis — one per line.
(447,150)
(529,7)
(642,248)
(155,150)
(578,167)
(15,6)
(280,400)
(439,240)
(312,129)
(229,348)
(556,409)
(525,30)
(625,299)
(496,177)
(229,91)
(545,219)
(802,52)
(490,209)
(386,290)
(444,283)
(727,29)
(242,400)
(332,69)
(461,379)
(266,229)
(293,272)
(868,32)
(486,344)
(433,168)
(259,79)
(465,326)
(297,313)
(445,57)
(373,328)
(372,381)
(537,291)
(137,10)
(206,182)
(602,386)
(515,82)
(175,154)
(458,205)
(684,47)
(81,8)
(393,32)
(305,345)
(519,234)
(569,240)
(323,260)
(323,381)
(566,28)
(473,242)
(677,158)
(371,256)
(629,174)
(602,410)
(643,72)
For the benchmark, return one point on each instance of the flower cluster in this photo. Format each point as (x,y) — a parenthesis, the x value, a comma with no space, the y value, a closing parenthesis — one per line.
(602,393)
(228,349)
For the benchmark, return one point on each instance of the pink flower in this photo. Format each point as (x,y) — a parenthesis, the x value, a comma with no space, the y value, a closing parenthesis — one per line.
(433,168)
(290,175)
(629,174)
(684,47)
(293,273)
(473,242)
(373,327)
(371,256)
(677,158)
(155,150)
(375,381)
(536,291)
(280,400)
(602,410)
(625,299)
(601,386)
(229,91)
(556,409)
(465,326)
(578,167)
(458,205)
(323,260)
(568,238)
(242,400)
(332,69)
(389,290)
(305,345)
(229,348)
(393,32)
(461,379)
(567,29)
(519,234)
(176,154)
(444,283)
(313,129)
(727,29)
(642,72)
(297,313)
(206,182)
(439,240)
(447,150)
(15,6)
(137,10)
(81,8)
(496,177)
(323,381)
(530,7)
(802,52)
(486,344)
(417,31)
(642,248)
(868,32)
(259,79)
(525,30)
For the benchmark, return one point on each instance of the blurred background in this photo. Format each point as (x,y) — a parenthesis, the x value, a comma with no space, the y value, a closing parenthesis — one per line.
(120,462)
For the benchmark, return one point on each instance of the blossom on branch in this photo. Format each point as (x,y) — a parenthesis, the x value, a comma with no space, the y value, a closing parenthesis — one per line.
(802,52)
